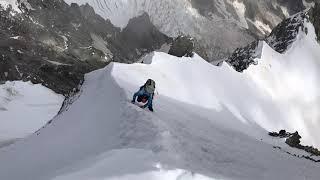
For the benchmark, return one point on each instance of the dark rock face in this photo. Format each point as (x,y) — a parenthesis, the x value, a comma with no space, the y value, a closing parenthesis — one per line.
(242,58)
(286,32)
(56,44)
(293,6)
(280,39)
(254,10)
(294,140)
(182,46)
(141,34)
(281,134)
(312,150)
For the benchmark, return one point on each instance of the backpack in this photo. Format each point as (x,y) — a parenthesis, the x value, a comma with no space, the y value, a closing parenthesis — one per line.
(150,86)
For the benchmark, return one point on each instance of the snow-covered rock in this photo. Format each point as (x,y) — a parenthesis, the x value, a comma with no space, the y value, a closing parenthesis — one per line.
(281,38)
(292,78)
(296,70)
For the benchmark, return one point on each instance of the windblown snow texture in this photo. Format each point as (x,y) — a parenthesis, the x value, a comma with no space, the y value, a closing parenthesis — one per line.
(25,108)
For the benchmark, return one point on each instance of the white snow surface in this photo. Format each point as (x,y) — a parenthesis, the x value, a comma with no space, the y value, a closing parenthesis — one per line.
(291,81)
(25,108)
(209,122)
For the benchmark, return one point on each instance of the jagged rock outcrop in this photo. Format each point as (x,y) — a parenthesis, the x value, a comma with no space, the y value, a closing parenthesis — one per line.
(286,32)
(280,39)
(293,140)
(53,43)
(186,46)
(242,58)
(182,46)
(281,134)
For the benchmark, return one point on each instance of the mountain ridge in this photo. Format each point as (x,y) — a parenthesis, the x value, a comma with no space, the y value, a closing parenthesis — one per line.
(280,39)
(55,44)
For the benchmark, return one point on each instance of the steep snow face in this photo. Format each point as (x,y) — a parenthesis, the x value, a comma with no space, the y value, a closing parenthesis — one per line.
(291,80)
(202,128)
(282,92)
(24,108)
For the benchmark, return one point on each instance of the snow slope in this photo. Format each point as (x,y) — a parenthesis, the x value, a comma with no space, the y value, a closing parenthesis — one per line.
(202,128)
(291,80)
(24,108)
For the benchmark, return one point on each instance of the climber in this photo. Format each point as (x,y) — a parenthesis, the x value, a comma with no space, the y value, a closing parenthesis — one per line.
(145,94)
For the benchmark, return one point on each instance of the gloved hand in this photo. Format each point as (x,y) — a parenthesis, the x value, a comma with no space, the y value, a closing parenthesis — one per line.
(151,109)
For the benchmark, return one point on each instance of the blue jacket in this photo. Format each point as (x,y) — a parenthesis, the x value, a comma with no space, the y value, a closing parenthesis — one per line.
(142,92)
